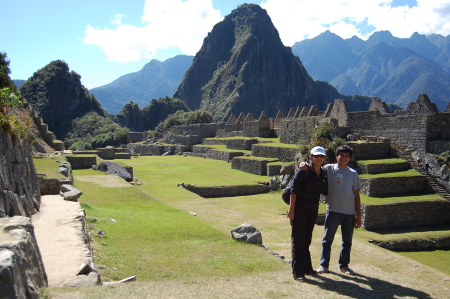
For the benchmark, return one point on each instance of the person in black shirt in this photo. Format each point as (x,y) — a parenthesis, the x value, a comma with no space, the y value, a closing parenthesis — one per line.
(303,210)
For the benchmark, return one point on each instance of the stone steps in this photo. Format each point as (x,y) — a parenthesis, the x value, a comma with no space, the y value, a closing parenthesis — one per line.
(432,182)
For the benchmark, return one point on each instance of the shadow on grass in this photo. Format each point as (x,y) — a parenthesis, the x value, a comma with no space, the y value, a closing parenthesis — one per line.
(374,287)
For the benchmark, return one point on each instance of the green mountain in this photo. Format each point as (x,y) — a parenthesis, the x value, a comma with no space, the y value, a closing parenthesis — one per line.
(243,66)
(395,70)
(57,95)
(155,80)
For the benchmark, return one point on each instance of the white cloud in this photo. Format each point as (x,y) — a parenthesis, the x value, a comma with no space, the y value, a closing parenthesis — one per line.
(300,19)
(166,24)
(183,24)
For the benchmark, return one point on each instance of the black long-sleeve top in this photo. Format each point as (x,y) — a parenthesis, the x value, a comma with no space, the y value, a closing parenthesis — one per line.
(308,186)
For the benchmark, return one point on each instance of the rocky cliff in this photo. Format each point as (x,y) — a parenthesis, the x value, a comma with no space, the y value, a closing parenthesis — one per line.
(243,66)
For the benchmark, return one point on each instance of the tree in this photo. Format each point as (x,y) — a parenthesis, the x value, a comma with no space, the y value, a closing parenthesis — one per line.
(5,80)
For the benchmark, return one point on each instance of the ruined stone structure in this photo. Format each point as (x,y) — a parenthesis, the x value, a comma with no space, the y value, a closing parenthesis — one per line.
(419,127)
(22,271)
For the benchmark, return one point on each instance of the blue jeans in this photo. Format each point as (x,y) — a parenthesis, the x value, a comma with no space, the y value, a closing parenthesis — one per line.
(332,221)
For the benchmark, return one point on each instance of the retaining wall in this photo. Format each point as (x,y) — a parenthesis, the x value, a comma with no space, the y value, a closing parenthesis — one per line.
(284,154)
(414,245)
(81,162)
(251,165)
(222,155)
(405,214)
(51,186)
(378,187)
(241,144)
(228,191)
(382,168)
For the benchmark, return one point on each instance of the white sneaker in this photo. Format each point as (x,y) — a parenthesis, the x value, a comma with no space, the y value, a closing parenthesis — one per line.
(347,270)
(322,269)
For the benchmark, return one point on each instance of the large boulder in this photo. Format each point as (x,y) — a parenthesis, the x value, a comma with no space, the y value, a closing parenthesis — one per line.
(69,192)
(247,233)
(114,168)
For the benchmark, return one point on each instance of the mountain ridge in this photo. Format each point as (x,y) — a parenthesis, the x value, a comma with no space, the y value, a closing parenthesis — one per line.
(155,80)
(393,69)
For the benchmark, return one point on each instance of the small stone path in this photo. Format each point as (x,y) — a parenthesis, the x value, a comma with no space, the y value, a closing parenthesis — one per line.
(59,238)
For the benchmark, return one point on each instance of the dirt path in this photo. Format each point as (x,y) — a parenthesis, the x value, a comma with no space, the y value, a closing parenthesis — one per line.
(59,238)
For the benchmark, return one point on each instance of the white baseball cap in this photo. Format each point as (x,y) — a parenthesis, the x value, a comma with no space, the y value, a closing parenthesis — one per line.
(318,150)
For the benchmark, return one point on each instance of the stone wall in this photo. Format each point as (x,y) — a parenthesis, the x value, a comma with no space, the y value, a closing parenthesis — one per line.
(284,154)
(241,144)
(407,131)
(81,162)
(297,130)
(51,186)
(188,140)
(22,271)
(251,165)
(378,187)
(415,245)
(19,182)
(228,191)
(138,149)
(370,150)
(222,155)
(201,130)
(382,168)
(405,214)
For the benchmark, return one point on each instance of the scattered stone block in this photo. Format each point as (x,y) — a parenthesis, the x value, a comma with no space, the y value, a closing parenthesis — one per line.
(247,233)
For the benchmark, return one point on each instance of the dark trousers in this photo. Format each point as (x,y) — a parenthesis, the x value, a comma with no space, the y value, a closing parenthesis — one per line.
(302,228)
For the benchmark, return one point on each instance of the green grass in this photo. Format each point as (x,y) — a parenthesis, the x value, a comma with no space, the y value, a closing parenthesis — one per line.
(246,138)
(155,240)
(49,166)
(279,144)
(223,148)
(436,259)
(383,161)
(416,197)
(258,158)
(406,173)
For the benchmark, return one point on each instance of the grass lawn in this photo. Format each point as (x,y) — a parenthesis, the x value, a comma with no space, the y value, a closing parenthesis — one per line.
(49,166)
(415,197)
(156,238)
(406,173)
(147,215)
(383,161)
(223,148)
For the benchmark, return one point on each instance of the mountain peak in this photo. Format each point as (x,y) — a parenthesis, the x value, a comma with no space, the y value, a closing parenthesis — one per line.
(242,62)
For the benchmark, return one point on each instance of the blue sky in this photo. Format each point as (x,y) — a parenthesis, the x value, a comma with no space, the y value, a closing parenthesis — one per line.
(104,39)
